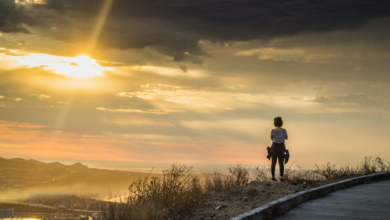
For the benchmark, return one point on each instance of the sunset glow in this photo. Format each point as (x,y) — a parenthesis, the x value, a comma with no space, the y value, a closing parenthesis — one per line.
(26,2)
(164,81)
(75,67)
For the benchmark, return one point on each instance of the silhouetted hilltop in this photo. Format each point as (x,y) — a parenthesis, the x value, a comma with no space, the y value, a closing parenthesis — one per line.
(78,166)
(31,161)
(56,165)
(20,163)
(21,176)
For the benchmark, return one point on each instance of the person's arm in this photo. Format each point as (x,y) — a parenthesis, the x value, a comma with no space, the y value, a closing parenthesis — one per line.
(272,136)
(286,135)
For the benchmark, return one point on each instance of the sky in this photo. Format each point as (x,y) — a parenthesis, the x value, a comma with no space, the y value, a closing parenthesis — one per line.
(194,82)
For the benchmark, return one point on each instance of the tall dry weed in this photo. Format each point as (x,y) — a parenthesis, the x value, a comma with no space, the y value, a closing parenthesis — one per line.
(262,173)
(374,165)
(215,182)
(175,189)
(239,174)
(178,187)
(368,166)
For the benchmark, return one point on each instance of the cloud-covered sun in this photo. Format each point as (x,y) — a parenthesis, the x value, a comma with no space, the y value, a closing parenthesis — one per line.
(75,67)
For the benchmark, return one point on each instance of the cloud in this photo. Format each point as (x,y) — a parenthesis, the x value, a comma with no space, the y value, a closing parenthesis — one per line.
(175,28)
(346,99)
(77,67)
(12,18)
(147,111)
(353,103)
(166,71)
(211,97)
(42,96)
(5,124)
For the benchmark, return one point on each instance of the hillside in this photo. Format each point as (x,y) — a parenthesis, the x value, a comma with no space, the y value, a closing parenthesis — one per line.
(20,177)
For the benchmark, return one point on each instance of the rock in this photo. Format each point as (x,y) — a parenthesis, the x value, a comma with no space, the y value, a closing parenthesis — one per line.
(245,199)
(218,207)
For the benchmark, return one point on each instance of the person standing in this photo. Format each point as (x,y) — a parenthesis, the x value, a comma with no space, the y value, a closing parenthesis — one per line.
(278,137)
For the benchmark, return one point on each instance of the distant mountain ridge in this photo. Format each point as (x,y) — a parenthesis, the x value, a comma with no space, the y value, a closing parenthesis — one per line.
(23,176)
(30,163)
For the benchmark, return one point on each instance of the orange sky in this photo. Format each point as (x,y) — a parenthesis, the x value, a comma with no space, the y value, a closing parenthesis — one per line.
(162,86)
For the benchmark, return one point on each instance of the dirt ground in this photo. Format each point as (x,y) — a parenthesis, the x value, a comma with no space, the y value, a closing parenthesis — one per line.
(238,200)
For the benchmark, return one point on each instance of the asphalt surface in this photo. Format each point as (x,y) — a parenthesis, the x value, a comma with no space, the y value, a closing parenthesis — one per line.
(368,201)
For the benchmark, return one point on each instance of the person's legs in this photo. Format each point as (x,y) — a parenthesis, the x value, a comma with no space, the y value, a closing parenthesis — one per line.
(274,158)
(281,165)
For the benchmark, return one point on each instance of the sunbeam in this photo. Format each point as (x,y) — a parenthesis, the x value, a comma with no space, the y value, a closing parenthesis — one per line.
(99,24)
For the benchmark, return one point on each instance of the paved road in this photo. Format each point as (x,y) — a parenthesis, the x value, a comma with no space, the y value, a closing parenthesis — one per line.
(369,201)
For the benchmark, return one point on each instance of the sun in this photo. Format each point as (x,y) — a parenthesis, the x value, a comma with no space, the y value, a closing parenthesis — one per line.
(75,67)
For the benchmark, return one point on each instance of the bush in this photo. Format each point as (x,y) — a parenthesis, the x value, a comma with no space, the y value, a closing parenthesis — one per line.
(217,182)
(368,166)
(374,165)
(262,173)
(175,189)
(239,174)
(178,188)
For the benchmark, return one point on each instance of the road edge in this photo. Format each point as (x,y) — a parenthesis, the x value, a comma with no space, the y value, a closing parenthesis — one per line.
(275,208)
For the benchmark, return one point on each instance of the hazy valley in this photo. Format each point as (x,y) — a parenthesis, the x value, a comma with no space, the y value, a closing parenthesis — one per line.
(19,178)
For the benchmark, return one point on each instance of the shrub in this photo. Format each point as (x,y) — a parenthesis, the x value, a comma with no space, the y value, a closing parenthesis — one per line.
(239,174)
(374,165)
(262,173)
(175,189)
(368,166)
(215,182)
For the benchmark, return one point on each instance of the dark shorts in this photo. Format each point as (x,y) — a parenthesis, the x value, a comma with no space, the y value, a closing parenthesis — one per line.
(278,149)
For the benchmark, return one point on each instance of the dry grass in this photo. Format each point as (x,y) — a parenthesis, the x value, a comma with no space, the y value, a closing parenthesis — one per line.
(175,189)
(263,173)
(368,166)
(374,165)
(238,176)
(179,188)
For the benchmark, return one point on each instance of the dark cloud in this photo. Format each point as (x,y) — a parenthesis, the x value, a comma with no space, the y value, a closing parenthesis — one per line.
(183,68)
(175,27)
(11,18)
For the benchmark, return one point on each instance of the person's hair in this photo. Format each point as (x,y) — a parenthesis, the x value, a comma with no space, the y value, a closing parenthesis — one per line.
(278,122)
